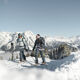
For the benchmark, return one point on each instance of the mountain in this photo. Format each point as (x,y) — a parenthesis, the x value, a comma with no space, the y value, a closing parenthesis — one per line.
(7,37)
(72,41)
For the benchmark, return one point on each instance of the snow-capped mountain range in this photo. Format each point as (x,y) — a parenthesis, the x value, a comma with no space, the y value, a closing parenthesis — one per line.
(7,37)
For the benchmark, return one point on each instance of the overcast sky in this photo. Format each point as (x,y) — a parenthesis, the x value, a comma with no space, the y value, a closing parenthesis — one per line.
(47,17)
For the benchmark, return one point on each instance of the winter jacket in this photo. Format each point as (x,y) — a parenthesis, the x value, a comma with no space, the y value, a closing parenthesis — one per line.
(39,43)
(21,42)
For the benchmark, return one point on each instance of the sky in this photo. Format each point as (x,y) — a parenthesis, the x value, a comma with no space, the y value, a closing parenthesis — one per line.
(46,17)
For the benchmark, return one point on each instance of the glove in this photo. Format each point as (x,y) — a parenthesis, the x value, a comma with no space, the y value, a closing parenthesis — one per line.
(25,49)
(32,53)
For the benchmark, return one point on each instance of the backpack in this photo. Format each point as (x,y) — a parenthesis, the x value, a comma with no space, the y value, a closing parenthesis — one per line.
(42,41)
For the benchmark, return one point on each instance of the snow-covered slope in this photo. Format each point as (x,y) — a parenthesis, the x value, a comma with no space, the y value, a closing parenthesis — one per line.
(64,69)
(5,37)
(30,38)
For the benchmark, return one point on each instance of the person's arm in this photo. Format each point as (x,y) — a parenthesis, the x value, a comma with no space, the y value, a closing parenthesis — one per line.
(25,44)
(34,45)
(17,40)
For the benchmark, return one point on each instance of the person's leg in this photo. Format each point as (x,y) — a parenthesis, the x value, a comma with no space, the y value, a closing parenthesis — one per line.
(36,56)
(20,55)
(43,56)
(23,56)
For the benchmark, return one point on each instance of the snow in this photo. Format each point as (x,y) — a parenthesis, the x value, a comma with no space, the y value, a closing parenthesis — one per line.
(63,69)
(4,38)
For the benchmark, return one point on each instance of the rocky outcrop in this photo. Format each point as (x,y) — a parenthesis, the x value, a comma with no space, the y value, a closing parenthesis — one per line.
(61,51)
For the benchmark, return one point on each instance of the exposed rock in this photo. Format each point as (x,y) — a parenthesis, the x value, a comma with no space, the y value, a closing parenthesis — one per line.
(60,52)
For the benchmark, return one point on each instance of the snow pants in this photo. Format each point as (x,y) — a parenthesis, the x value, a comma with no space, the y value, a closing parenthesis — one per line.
(22,56)
(37,51)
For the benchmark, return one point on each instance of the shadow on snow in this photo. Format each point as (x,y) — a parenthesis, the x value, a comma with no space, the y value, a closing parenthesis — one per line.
(54,64)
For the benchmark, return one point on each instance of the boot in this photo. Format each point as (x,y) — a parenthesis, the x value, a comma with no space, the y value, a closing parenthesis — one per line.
(36,62)
(43,63)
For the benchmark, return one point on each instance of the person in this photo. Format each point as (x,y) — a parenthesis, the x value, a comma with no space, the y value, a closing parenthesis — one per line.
(12,50)
(39,47)
(12,47)
(22,45)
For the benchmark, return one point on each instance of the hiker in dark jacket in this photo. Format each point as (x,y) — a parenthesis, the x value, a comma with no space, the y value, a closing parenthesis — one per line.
(39,47)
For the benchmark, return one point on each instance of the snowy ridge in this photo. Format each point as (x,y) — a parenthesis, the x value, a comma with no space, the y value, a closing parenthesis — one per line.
(30,38)
(6,38)
(73,41)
